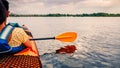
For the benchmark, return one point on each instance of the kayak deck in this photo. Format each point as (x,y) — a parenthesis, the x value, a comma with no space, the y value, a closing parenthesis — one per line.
(21,61)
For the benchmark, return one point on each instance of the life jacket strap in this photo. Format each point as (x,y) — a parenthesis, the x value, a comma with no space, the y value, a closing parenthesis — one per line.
(6,32)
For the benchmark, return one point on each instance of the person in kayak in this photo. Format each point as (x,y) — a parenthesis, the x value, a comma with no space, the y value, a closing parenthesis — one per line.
(18,35)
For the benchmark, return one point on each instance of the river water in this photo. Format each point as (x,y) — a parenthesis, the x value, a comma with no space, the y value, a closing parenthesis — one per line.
(98,41)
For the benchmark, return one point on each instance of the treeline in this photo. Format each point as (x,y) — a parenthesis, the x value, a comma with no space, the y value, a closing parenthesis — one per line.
(66,15)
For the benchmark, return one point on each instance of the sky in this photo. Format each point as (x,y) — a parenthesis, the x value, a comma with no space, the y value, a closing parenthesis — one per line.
(64,6)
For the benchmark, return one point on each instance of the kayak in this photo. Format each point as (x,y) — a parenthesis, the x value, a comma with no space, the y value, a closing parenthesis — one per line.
(23,59)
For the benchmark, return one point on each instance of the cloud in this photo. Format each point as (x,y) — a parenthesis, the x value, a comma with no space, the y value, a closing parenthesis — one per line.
(60,2)
(26,6)
(103,3)
(64,6)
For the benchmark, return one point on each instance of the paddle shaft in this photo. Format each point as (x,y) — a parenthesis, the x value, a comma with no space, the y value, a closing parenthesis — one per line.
(43,38)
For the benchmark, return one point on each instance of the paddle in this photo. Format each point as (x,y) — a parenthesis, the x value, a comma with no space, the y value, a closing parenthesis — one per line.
(64,37)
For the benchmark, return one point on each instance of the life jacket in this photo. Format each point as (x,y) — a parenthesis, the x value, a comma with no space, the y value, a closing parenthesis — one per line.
(5,48)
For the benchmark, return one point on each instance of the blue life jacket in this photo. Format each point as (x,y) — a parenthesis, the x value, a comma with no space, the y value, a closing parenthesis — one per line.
(5,48)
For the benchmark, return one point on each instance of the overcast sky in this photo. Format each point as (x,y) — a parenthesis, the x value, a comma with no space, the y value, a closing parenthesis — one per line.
(64,6)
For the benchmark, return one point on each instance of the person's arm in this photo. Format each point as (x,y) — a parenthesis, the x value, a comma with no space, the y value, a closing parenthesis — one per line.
(28,44)
(24,38)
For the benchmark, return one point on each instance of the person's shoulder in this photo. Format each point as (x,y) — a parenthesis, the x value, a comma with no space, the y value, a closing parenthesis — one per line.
(17,29)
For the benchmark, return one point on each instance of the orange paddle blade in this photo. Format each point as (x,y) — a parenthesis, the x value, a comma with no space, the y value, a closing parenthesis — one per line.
(67,37)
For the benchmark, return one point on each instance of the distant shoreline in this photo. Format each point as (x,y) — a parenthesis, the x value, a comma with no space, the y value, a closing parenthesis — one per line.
(66,15)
